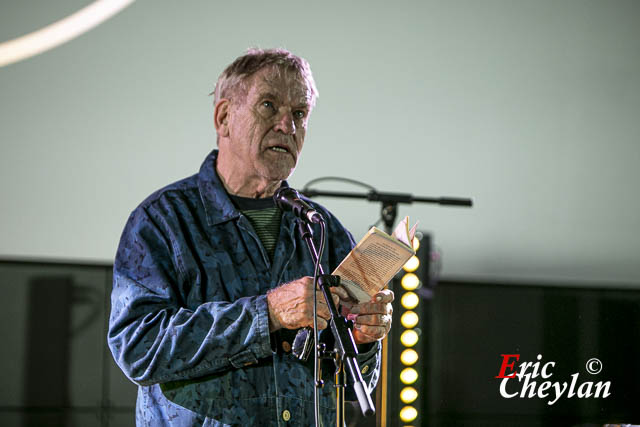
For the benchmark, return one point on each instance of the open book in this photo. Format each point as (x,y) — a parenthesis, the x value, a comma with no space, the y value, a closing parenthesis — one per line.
(375,260)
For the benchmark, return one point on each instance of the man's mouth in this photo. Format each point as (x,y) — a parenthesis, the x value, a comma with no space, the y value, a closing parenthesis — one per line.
(279,149)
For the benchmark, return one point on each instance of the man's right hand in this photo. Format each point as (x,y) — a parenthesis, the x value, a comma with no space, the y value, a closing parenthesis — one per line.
(291,305)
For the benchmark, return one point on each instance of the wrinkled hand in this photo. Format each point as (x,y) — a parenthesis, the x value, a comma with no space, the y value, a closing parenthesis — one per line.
(372,320)
(291,305)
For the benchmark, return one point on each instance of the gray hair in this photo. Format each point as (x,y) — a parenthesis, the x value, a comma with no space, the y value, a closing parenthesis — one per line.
(233,79)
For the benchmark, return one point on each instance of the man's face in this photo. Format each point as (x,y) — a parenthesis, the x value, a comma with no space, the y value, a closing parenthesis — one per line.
(267,127)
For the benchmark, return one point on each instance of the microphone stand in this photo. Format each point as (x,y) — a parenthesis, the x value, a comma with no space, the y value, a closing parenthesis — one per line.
(345,349)
(388,214)
(389,201)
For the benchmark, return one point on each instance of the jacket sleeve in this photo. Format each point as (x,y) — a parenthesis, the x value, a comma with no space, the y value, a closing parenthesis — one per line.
(369,357)
(153,337)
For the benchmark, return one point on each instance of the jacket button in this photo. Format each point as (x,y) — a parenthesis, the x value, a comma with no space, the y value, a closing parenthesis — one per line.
(286,346)
(286,415)
(365,369)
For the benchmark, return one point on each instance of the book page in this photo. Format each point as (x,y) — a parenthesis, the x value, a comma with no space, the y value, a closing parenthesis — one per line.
(402,232)
(374,261)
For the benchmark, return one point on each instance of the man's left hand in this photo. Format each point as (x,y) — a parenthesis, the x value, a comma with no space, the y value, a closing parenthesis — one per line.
(372,320)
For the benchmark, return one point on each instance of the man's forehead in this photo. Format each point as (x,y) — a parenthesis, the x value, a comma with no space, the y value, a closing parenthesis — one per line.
(279,82)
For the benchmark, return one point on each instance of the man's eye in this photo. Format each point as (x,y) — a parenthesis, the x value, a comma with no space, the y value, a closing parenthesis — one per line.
(299,114)
(268,104)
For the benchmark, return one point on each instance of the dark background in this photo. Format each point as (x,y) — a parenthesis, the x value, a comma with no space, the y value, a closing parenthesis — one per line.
(472,324)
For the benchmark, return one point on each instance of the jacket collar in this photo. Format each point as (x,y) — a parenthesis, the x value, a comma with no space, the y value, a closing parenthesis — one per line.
(217,204)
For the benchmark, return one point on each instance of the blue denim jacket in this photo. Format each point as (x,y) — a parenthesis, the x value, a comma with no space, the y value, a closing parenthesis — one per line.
(189,320)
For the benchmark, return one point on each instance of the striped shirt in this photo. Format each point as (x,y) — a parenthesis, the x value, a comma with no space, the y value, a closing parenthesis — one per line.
(264,216)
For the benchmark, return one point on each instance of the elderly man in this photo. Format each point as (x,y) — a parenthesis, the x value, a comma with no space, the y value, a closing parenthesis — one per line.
(211,279)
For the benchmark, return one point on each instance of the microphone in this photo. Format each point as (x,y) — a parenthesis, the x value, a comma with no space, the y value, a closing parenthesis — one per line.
(289,199)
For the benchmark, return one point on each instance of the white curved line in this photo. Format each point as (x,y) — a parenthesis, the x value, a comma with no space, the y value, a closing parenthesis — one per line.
(60,32)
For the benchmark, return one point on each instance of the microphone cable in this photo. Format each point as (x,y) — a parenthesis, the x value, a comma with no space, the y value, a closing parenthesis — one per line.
(316,360)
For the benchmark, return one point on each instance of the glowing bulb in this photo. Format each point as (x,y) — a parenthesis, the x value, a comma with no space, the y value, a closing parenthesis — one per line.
(408,414)
(409,300)
(409,338)
(416,243)
(409,319)
(408,357)
(412,265)
(410,281)
(408,394)
(408,375)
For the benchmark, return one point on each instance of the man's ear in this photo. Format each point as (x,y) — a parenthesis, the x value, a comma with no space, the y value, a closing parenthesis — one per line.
(221,117)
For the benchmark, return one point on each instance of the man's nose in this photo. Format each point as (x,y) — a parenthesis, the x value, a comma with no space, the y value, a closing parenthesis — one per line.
(285,123)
